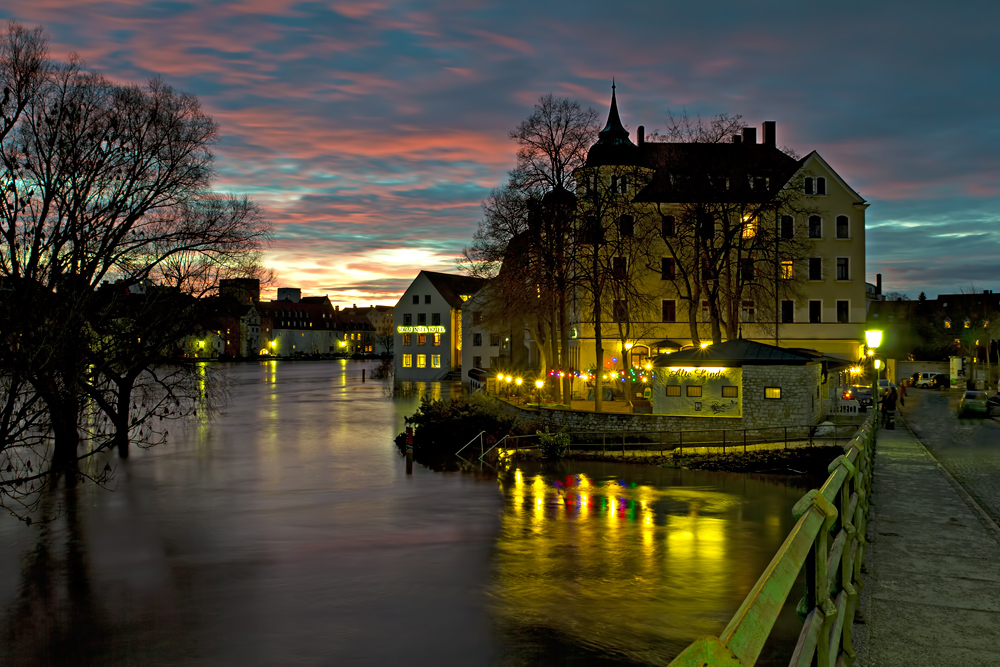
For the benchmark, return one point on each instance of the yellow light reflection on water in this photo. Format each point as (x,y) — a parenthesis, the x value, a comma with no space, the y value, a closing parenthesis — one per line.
(658,565)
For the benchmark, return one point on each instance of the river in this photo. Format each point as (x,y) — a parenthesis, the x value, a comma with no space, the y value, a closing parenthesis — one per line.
(286,531)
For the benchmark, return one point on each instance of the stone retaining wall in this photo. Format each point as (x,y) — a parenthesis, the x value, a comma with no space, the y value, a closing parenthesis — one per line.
(799,405)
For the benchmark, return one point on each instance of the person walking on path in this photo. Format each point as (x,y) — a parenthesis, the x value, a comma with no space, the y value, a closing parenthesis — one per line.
(902,393)
(888,403)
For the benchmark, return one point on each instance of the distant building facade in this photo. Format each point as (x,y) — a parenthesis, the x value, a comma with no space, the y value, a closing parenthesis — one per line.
(428,340)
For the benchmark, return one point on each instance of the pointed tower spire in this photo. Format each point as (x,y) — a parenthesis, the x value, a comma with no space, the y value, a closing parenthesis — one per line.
(613,145)
(614,132)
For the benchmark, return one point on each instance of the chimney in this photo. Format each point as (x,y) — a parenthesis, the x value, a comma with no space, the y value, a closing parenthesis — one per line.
(640,136)
(769,134)
(737,138)
(749,135)
(878,283)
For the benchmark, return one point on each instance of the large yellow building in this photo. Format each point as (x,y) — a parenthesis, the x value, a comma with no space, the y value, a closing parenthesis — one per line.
(680,234)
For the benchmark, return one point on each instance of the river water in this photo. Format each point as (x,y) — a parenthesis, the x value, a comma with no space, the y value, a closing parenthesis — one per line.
(286,531)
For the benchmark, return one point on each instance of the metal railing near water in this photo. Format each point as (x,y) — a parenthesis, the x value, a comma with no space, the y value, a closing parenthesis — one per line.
(712,441)
(828,540)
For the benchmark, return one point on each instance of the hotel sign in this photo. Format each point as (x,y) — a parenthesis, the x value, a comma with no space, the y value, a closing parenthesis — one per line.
(402,329)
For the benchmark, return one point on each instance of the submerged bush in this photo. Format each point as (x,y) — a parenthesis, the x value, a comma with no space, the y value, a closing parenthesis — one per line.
(442,427)
(553,445)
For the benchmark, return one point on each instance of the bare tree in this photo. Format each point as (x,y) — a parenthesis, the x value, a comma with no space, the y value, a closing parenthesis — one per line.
(552,144)
(725,210)
(99,183)
(530,223)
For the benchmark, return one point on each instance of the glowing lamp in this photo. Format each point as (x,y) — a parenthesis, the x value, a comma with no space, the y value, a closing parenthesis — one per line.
(873,337)
(539,383)
(518,382)
(878,364)
(704,345)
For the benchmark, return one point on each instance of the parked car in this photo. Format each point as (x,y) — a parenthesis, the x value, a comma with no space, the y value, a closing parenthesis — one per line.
(973,402)
(859,393)
(924,379)
(941,381)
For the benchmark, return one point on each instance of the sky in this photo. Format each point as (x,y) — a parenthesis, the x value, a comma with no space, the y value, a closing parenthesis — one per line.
(370,132)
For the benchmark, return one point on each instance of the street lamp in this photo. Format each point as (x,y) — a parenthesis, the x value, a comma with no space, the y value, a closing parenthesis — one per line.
(873,337)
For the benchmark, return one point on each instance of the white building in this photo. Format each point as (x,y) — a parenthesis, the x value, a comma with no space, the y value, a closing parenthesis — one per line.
(428,317)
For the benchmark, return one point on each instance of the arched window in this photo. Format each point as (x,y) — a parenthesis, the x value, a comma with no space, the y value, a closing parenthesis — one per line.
(843,227)
(815,227)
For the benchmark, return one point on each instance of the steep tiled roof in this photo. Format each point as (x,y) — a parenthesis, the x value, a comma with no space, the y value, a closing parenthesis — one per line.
(696,172)
(452,287)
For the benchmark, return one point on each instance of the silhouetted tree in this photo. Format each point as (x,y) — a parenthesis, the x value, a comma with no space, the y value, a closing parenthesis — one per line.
(99,182)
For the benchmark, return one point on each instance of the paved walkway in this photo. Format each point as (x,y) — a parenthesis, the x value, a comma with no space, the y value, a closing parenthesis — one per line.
(932,588)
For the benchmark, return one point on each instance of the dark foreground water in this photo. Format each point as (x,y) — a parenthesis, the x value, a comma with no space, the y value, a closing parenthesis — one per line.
(287,532)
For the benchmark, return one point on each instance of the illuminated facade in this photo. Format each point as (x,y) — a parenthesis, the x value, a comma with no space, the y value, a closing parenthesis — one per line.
(760,385)
(807,287)
(427,341)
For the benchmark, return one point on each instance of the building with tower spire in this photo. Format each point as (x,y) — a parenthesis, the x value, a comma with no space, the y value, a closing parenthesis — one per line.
(686,243)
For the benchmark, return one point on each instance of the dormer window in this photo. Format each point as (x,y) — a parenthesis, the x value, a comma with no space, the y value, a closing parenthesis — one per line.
(809,188)
(821,186)
(619,184)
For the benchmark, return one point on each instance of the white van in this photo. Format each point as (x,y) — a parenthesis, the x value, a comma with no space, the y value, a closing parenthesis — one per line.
(926,379)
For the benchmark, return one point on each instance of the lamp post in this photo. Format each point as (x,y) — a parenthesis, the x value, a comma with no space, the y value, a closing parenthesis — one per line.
(873,338)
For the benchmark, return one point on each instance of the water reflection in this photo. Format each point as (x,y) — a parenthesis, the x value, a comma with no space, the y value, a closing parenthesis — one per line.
(629,561)
(287,531)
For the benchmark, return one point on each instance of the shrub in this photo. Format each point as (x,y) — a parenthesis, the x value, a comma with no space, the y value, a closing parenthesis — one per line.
(553,445)
(442,427)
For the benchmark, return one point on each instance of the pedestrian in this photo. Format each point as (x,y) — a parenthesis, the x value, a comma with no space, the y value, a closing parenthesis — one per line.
(902,393)
(888,404)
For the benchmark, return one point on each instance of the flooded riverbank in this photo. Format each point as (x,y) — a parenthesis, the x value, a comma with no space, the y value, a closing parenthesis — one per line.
(287,531)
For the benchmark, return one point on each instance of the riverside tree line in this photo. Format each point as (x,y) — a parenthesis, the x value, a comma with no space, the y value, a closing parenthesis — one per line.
(109,234)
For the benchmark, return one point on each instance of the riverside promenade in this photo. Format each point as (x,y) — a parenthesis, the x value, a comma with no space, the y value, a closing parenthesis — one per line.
(932,587)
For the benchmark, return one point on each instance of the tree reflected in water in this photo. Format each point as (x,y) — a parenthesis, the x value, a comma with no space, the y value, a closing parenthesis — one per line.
(54,618)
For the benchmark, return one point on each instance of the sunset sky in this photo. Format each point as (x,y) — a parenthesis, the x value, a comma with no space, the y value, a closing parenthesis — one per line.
(370,132)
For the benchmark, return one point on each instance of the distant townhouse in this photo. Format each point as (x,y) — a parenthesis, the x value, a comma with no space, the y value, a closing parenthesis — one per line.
(380,338)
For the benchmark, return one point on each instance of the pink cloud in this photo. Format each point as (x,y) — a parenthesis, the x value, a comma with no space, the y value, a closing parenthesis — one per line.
(979,190)
(511,43)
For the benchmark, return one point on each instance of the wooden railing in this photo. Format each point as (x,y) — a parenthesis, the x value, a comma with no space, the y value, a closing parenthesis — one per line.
(828,540)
